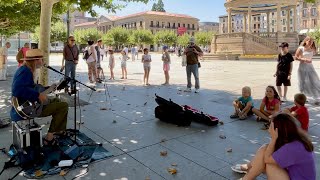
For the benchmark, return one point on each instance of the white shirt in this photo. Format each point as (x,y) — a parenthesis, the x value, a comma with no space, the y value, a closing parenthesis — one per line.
(93,52)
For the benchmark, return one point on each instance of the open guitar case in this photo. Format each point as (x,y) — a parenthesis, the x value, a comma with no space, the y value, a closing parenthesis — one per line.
(170,112)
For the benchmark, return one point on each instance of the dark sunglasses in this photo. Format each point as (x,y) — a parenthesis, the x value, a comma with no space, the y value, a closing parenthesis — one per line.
(72,40)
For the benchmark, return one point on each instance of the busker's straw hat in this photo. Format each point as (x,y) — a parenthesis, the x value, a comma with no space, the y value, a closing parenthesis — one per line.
(33,54)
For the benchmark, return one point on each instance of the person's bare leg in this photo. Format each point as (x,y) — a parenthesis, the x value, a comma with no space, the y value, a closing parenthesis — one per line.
(275,172)
(122,69)
(236,108)
(148,72)
(285,91)
(257,164)
(279,91)
(258,113)
(144,76)
(125,72)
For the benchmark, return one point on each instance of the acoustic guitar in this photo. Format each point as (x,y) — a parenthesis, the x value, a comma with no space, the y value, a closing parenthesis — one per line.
(29,109)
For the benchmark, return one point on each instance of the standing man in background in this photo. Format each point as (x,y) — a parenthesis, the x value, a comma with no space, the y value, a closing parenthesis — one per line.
(70,61)
(4,61)
(133,53)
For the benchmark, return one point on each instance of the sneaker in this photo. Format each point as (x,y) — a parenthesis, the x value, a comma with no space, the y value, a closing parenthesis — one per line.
(284,99)
(197,91)
(187,90)
(237,168)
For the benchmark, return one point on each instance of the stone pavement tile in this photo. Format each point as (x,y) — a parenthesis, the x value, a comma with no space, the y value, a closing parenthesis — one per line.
(211,176)
(122,167)
(186,169)
(211,143)
(107,145)
(315,137)
(229,174)
(131,136)
(206,160)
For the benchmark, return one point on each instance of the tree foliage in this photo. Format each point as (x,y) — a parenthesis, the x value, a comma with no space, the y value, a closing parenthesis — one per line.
(116,36)
(58,33)
(165,37)
(23,15)
(204,38)
(315,35)
(158,6)
(140,37)
(83,35)
(183,40)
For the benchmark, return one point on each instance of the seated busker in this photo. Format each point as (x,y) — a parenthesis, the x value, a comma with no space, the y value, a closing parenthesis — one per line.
(23,88)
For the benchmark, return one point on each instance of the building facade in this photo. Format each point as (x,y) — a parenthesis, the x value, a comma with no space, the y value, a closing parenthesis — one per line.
(236,25)
(209,26)
(309,16)
(150,20)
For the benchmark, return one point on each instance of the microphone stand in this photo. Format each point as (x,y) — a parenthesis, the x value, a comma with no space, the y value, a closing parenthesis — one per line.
(75,102)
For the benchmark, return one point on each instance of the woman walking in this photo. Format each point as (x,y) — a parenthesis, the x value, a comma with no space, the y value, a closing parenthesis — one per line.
(309,83)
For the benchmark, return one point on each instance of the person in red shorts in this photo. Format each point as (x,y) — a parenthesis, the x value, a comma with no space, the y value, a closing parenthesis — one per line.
(300,111)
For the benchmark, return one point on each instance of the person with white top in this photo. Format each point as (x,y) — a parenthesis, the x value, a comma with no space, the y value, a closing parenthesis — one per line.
(146,60)
(124,59)
(4,61)
(309,83)
(91,61)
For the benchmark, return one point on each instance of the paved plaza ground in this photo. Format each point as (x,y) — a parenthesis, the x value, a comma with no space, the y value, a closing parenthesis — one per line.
(130,131)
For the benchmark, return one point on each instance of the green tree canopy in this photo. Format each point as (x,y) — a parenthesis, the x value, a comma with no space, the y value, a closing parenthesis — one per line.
(140,37)
(58,33)
(165,37)
(183,40)
(83,35)
(204,38)
(158,6)
(315,35)
(116,36)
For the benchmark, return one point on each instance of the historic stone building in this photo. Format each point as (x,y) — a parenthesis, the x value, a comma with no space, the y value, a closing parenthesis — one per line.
(209,26)
(309,16)
(151,20)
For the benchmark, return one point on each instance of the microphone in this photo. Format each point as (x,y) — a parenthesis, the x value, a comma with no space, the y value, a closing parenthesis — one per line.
(49,67)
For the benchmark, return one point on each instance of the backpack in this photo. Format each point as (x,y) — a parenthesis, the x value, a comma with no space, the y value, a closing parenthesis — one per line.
(86,54)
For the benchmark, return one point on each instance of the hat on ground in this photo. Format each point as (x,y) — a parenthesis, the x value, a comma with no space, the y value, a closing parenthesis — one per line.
(33,54)
(284,44)
(192,40)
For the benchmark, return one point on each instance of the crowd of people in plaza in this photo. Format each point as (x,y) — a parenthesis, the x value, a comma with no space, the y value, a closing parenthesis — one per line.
(289,154)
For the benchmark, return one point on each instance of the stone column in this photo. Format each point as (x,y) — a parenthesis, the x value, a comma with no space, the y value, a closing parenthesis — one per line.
(288,20)
(268,23)
(295,16)
(278,17)
(244,21)
(229,20)
(249,20)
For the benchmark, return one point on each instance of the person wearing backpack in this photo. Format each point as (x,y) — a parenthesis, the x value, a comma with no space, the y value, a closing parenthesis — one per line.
(70,61)
(91,59)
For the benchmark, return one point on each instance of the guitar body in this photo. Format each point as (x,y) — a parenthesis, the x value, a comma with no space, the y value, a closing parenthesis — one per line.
(29,109)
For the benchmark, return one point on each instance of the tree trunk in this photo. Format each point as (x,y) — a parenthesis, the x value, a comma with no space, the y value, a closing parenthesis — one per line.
(44,38)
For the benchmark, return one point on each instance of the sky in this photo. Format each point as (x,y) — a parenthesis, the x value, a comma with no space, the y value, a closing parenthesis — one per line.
(205,10)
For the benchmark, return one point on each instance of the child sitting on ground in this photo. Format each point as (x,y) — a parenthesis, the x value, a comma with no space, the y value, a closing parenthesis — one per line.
(300,111)
(269,105)
(243,105)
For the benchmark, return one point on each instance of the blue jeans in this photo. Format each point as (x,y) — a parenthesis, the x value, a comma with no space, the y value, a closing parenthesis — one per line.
(194,69)
(70,68)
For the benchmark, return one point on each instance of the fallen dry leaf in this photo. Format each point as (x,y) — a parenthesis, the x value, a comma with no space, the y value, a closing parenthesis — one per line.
(103,109)
(63,173)
(163,140)
(229,150)
(222,137)
(174,164)
(147,178)
(114,121)
(221,122)
(163,153)
(172,170)
(145,103)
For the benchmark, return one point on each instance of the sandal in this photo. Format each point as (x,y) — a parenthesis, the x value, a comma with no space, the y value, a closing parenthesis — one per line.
(233,116)
(52,142)
(238,168)
(243,117)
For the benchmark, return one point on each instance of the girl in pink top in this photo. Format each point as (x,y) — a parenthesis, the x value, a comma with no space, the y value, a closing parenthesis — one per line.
(269,105)
(22,53)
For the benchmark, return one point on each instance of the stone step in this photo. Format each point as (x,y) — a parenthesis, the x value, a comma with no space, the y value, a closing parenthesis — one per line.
(221,56)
